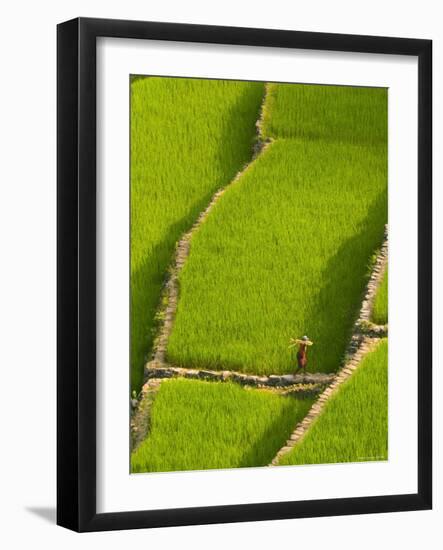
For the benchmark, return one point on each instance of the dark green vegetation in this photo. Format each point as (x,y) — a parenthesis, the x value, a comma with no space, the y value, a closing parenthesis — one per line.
(285,251)
(380,311)
(354,424)
(199,425)
(188,138)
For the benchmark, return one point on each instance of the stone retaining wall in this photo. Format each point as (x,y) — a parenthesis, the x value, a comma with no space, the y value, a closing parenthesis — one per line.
(375,279)
(162,370)
(140,418)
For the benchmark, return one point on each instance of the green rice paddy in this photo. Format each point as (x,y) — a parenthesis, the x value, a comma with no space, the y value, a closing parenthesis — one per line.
(188,138)
(199,425)
(285,250)
(354,424)
(380,309)
(330,113)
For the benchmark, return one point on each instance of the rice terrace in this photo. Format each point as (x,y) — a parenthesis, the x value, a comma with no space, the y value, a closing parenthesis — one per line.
(259,281)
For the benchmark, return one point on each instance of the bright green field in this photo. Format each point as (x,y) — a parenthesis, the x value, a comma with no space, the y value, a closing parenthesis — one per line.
(285,251)
(334,113)
(188,138)
(199,425)
(354,424)
(380,310)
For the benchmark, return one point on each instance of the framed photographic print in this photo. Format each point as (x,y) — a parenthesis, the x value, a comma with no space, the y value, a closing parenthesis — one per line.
(231,203)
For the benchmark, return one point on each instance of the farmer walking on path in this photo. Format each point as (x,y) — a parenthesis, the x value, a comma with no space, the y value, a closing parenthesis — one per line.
(302,357)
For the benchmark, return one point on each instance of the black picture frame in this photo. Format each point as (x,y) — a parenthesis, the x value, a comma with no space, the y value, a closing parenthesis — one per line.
(76,279)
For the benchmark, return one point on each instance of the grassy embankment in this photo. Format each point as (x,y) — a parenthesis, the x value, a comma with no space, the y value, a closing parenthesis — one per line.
(188,138)
(285,251)
(354,424)
(199,425)
(380,310)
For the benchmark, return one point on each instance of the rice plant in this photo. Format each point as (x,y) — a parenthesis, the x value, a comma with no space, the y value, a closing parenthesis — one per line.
(353,426)
(188,138)
(198,425)
(331,113)
(285,250)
